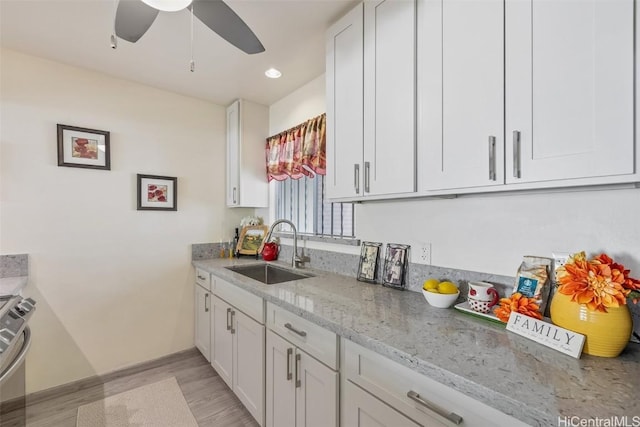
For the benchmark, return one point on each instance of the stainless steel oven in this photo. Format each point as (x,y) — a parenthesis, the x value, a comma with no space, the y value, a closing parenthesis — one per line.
(15,339)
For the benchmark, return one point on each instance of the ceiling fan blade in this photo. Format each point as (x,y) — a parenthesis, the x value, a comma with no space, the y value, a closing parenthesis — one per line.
(133,19)
(220,18)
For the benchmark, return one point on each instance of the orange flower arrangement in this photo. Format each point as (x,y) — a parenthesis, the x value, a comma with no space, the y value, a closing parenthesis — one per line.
(598,283)
(519,304)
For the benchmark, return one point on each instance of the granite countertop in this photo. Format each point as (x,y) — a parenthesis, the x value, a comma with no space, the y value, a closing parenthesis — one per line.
(12,285)
(518,377)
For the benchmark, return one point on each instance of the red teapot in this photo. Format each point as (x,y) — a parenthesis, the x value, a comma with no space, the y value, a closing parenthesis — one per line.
(270,251)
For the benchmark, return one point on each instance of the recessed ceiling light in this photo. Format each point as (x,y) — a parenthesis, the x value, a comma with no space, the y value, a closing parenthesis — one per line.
(272,73)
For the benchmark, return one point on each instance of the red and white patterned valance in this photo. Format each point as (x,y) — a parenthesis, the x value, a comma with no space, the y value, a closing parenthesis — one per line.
(298,151)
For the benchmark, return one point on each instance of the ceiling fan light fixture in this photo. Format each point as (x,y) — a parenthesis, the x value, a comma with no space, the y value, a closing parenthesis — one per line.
(168,5)
(272,73)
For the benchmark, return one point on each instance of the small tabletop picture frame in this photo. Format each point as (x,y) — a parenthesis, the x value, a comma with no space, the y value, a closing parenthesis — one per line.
(157,193)
(83,148)
(251,239)
(396,261)
(369,256)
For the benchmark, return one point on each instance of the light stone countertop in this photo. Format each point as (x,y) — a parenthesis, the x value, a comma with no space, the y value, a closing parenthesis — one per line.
(12,285)
(476,357)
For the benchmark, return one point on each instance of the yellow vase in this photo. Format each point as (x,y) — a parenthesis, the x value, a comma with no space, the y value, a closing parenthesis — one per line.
(607,334)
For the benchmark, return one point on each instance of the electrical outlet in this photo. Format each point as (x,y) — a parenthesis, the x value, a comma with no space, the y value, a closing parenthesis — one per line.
(424,253)
(559,259)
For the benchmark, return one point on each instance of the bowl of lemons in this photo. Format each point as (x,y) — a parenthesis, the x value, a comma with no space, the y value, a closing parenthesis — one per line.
(440,294)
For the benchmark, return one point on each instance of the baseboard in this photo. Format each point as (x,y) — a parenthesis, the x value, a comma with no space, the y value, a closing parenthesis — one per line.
(43,395)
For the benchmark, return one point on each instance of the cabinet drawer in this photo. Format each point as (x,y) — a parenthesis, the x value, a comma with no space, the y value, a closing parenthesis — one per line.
(313,339)
(391,383)
(248,303)
(203,278)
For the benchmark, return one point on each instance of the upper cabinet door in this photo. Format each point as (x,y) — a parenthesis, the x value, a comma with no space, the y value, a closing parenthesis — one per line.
(569,89)
(462,144)
(344,106)
(389,96)
(233,154)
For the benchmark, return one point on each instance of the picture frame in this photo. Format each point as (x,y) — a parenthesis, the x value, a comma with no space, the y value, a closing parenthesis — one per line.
(396,261)
(368,267)
(157,193)
(251,239)
(83,148)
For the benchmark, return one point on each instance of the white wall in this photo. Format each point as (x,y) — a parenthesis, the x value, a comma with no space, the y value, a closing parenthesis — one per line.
(113,285)
(488,233)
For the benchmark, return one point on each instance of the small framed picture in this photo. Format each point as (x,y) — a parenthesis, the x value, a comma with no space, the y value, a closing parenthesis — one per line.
(396,260)
(83,148)
(157,193)
(251,239)
(369,255)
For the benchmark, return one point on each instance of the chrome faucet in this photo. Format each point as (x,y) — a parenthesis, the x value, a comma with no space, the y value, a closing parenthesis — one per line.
(296,260)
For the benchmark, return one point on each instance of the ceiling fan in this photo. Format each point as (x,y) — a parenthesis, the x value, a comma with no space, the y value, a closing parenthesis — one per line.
(134,17)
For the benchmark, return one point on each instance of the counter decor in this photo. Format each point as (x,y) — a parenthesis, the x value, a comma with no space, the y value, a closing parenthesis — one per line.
(396,262)
(592,300)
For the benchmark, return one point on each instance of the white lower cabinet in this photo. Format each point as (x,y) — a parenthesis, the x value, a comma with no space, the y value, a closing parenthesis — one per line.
(418,400)
(237,354)
(302,390)
(202,308)
(203,321)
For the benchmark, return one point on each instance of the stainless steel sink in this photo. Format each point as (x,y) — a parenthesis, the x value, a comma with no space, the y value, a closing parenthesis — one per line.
(267,273)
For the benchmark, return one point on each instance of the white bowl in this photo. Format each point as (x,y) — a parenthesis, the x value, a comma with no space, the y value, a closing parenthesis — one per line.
(440,300)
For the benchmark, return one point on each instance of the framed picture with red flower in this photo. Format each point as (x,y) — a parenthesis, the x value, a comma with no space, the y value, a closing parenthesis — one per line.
(157,193)
(83,148)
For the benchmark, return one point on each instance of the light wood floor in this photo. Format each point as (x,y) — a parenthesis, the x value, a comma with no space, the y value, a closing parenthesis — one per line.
(211,401)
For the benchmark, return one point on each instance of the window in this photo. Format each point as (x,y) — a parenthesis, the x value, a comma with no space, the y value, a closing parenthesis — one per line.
(302,201)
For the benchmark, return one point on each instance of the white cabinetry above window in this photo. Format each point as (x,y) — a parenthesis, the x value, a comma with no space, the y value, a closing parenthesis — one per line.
(247,130)
(371,101)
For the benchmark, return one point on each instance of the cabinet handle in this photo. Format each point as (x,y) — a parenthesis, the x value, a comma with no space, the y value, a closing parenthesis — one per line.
(298,382)
(201,277)
(356,177)
(294,330)
(366,176)
(516,154)
(234,195)
(206,300)
(451,416)
(289,354)
(228,321)
(492,158)
(233,313)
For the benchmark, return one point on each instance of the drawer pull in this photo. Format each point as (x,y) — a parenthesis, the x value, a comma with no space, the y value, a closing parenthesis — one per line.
(298,382)
(294,330)
(451,416)
(289,354)
(228,321)
(201,277)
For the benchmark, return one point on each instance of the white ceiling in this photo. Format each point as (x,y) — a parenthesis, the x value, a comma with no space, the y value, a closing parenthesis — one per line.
(77,32)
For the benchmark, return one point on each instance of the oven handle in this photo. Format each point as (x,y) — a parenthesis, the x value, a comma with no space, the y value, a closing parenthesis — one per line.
(20,357)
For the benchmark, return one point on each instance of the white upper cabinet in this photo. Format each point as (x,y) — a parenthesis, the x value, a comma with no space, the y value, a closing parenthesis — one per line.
(371,74)
(247,131)
(525,94)
(463,142)
(389,96)
(569,89)
(345,105)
